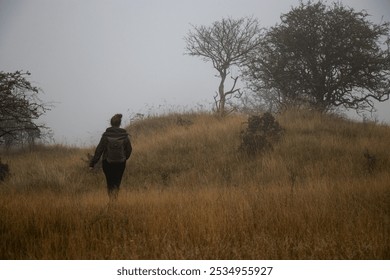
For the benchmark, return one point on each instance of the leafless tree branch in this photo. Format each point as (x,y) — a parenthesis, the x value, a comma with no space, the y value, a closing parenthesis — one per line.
(225,43)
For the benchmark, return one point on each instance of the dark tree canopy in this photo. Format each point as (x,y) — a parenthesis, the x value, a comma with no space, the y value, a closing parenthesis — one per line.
(225,43)
(324,57)
(20,106)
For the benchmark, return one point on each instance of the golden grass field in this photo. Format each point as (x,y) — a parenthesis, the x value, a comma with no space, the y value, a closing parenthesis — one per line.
(188,193)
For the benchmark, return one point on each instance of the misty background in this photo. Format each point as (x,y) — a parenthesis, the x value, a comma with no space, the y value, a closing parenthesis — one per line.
(95,58)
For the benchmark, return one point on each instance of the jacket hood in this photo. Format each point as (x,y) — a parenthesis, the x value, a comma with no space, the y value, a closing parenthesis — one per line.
(115,132)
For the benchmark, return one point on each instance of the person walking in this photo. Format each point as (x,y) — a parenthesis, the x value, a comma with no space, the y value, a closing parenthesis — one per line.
(115,147)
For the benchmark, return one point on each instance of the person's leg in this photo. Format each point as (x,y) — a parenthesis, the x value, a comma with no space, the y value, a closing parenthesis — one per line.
(118,173)
(118,170)
(109,172)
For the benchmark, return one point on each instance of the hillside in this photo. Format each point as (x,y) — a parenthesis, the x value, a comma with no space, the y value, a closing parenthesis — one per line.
(204,151)
(322,192)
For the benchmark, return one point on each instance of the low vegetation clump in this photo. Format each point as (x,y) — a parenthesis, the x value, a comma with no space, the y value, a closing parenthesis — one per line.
(321,192)
(261,134)
(4,171)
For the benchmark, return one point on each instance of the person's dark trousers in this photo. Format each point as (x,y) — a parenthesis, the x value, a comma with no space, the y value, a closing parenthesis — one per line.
(113,172)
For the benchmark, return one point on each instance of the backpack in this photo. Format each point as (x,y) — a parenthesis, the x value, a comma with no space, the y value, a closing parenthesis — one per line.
(115,150)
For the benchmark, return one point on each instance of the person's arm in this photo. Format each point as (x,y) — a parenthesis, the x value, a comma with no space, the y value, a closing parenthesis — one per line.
(128,148)
(98,152)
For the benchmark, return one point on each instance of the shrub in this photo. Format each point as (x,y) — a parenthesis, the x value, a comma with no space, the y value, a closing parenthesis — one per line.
(260,135)
(4,171)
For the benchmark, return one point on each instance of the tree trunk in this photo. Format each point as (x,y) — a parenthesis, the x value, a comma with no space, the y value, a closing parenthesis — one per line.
(221,91)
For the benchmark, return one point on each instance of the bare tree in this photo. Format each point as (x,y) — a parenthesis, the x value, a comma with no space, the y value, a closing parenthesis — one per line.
(20,106)
(225,43)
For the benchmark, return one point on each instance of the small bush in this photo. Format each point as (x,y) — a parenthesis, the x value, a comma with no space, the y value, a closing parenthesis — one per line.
(4,171)
(260,135)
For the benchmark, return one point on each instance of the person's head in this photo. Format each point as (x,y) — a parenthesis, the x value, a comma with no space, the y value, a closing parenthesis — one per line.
(116,120)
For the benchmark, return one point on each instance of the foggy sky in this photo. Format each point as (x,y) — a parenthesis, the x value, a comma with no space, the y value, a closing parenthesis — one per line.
(95,58)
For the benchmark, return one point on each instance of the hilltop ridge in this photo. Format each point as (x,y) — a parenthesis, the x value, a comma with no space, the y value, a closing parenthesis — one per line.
(201,149)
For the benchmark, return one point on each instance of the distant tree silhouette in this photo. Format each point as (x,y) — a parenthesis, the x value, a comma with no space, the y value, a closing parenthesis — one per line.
(225,43)
(323,57)
(20,106)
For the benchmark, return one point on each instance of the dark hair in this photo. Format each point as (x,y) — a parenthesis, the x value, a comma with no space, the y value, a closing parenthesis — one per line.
(116,120)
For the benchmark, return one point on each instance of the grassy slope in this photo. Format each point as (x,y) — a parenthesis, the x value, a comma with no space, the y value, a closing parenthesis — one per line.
(189,194)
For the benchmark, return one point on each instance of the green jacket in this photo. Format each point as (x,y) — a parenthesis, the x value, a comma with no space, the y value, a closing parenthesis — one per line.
(114,132)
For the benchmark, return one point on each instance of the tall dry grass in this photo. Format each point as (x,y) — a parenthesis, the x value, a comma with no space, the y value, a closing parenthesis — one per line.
(189,194)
